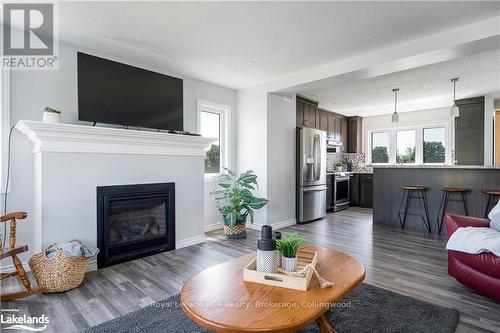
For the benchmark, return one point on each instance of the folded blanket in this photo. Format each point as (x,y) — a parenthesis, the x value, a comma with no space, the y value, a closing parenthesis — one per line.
(73,248)
(475,240)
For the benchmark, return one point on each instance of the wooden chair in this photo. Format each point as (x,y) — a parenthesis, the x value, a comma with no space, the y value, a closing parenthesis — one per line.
(13,251)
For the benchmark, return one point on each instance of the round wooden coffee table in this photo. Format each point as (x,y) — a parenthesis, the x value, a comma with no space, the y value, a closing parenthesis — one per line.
(219,300)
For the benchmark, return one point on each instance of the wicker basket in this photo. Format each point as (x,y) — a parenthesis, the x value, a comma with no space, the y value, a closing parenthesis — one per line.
(61,273)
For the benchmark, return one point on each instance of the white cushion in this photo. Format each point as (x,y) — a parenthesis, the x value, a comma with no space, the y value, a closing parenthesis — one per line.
(475,240)
(494,217)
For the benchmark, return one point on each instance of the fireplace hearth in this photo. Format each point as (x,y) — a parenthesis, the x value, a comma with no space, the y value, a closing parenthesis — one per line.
(134,221)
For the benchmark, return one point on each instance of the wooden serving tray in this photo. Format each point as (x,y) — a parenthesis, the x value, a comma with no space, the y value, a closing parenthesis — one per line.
(250,273)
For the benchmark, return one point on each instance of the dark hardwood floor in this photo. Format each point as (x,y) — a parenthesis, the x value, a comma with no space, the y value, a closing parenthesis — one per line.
(407,263)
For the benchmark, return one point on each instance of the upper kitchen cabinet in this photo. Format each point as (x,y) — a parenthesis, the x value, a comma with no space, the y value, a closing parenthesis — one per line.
(354,133)
(469,132)
(307,113)
(323,120)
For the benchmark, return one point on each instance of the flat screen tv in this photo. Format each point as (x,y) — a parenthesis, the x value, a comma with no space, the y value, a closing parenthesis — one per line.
(114,93)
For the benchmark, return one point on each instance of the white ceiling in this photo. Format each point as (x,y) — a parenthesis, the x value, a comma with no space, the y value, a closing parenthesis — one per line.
(420,88)
(214,41)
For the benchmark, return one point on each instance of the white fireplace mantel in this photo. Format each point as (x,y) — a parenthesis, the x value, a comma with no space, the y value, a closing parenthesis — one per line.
(89,139)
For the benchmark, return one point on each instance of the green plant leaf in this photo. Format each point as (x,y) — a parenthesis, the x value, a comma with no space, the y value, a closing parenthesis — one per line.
(229,171)
(258,203)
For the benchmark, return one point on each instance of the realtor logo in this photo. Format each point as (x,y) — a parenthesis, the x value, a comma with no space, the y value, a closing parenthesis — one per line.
(29,35)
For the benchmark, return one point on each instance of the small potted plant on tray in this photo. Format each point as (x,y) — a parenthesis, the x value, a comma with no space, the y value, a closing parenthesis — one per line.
(288,246)
(235,201)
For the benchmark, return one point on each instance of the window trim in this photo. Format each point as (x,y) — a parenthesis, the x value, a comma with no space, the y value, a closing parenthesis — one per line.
(447,145)
(419,143)
(370,133)
(4,124)
(224,111)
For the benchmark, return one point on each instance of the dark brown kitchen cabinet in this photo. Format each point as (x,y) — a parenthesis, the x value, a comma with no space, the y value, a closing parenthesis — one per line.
(300,114)
(307,113)
(354,132)
(323,120)
(344,134)
(469,132)
(366,190)
(310,116)
(354,190)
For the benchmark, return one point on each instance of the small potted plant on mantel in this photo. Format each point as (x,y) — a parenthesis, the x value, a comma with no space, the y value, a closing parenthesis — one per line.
(288,246)
(235,201)
(51,116)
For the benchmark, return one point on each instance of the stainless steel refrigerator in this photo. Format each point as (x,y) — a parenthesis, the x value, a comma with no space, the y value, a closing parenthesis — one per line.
(311,174)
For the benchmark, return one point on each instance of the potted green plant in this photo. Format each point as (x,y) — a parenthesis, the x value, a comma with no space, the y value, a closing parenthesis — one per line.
(51,116)
(235,201)
(288,246)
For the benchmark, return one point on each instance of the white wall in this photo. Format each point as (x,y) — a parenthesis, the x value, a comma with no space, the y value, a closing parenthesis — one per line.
(252,140)
(407,119)
(30,91)
(281,122)
(489,116)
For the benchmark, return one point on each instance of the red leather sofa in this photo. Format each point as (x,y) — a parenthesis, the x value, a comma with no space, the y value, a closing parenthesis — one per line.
(477,271)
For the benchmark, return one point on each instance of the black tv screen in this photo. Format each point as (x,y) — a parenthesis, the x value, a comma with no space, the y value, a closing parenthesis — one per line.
(114,93)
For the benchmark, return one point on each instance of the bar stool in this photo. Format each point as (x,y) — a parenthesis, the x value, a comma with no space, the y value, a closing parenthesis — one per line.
(414,192)
(492,194)
(448,192)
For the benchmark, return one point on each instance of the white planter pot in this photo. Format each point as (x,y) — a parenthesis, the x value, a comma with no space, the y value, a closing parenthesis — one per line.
(289,264)
(51,117)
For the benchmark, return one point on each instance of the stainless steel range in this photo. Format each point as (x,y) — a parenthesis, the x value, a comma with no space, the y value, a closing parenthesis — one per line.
(340,195)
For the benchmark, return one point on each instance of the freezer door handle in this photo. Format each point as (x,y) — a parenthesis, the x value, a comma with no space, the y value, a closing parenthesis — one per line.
(322,188)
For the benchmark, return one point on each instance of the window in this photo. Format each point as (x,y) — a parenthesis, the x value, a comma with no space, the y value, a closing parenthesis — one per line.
(419,144)
(210,128)
(380,147)
(405,142)
(435,145)
(212,120)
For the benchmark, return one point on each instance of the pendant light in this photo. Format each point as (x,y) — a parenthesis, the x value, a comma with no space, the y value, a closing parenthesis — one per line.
(454,110)
(395,115)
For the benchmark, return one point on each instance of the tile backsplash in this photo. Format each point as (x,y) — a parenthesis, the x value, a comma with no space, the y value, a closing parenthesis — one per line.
(357,160)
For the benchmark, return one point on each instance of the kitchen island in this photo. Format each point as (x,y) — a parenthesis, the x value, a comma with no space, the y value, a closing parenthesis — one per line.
(387,193)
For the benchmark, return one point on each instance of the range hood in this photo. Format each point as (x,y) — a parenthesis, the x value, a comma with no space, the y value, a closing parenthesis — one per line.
(333,143)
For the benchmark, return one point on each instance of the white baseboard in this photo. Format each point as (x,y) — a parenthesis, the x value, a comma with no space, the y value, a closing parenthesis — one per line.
(190,241)
(283,224)
(254,226)
(277,225)
(213,226)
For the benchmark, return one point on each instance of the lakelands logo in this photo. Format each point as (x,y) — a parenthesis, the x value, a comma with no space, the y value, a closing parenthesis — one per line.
(24,322)
(29,36)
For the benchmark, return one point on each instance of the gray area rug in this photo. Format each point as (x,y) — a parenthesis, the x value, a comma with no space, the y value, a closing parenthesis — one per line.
(366,309)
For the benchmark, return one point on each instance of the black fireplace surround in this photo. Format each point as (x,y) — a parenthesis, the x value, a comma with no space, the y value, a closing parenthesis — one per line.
(134,221)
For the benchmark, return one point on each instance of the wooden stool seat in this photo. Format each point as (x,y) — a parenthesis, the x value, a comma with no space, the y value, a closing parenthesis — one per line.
(492,194)
(495,193)
(12,251)
(414,187)
(454,189)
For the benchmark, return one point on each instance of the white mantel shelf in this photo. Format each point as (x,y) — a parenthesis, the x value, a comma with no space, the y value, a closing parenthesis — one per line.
(69,138)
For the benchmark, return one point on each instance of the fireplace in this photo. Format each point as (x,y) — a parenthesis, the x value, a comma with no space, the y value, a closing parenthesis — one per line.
(134,221)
